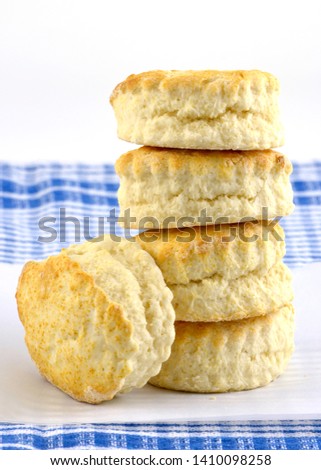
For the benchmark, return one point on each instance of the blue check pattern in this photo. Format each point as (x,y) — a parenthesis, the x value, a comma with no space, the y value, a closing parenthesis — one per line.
(28,193)
(230,435)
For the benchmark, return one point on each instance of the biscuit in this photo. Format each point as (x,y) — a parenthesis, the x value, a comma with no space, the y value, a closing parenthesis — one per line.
(229,251)
(227,356)
(216,298)
(204,109)
(98,318)
(168,188)
(213,279)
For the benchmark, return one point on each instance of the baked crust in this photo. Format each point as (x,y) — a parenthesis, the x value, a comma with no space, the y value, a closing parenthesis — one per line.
(230,251)
(98,318)
(229,356)
(176,186)
(144,160)
(217,80)
(207,109)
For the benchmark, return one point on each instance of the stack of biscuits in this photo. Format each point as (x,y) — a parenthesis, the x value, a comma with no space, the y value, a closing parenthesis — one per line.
(206,192)
(200,300)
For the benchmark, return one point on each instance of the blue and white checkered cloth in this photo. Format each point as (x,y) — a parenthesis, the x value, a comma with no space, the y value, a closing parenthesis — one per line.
(235,435)
(28,193)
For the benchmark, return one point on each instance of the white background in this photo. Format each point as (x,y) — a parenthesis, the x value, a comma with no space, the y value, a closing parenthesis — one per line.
(60,60)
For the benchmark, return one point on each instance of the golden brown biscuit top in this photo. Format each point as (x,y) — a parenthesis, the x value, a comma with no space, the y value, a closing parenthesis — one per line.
(157,160)
(65,316)
(194,79)
(183,242)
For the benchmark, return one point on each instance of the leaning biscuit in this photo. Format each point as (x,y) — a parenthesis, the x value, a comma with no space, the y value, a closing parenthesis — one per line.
(227,356)
(168,188)
(204,109)
(98,318)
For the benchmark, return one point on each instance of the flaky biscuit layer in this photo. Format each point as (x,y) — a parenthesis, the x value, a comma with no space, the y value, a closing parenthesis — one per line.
(230,251)
(229,356)
(168,188)
(216,298)
(204,109)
